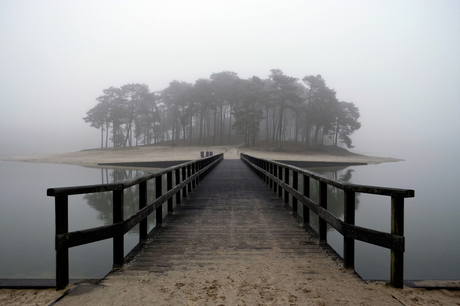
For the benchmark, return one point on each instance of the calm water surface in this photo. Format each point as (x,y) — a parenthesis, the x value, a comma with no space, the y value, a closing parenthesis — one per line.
(431,218)
(431,227)
(27,219)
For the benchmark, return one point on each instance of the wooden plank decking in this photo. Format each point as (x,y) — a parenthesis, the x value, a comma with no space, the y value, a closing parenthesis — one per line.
(231,216)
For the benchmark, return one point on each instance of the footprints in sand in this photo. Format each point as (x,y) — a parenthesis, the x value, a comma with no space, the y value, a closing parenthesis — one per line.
(230,292)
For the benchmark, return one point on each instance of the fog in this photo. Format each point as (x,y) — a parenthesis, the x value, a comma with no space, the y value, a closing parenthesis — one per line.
(398,61)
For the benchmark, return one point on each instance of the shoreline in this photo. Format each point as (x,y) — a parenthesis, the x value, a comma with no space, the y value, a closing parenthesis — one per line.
(429,292)
(91,157)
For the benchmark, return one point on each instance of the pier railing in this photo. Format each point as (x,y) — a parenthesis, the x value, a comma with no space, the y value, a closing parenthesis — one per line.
(181,178)
(277,176)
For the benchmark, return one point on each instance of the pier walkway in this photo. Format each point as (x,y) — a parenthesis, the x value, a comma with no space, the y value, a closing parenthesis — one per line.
(232,242)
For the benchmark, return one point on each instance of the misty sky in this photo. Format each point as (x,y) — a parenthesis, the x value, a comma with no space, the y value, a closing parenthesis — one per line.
(398,61)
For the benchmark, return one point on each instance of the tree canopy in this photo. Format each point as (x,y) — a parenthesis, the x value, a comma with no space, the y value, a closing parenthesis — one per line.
(225,108)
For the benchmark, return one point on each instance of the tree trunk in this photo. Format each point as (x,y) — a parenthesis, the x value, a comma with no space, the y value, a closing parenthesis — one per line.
(221,132)
(201,127)
(266,119)
(230,125)
(307,134)
(191,127)
(215,128)
(316,134)
(336,134)
(125,142)
(280,128)
(107,133)
(274,125)
(296,126)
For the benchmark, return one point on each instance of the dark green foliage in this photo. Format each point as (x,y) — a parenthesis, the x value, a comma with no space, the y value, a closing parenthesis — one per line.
(216,110)
(248,111)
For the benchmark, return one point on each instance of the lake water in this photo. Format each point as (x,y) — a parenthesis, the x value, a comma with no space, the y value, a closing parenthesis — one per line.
(27,226)
(431,218)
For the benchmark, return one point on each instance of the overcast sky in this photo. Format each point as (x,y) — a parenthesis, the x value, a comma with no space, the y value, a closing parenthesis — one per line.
(398,61)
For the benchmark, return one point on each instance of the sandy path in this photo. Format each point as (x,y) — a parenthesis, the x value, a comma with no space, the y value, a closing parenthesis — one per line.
(251,284)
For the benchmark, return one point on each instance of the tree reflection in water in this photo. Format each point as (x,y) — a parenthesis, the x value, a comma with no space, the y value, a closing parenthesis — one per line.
(102,202)
(335,196)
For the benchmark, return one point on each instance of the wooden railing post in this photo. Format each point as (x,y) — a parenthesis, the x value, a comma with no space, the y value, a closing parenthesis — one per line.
(266,168)
(397,228)
(168,188)
(118,241)
(159,193)
(193,172)
(275,174)
(280,177)
(295,185)
(262,175)
(62,254)
(270,170)
(200,167)
(349,218)
(184,177)
(306,193)
(142,204)
(189,173)
(177,181)
(323,204)
(286,181)
(204,165)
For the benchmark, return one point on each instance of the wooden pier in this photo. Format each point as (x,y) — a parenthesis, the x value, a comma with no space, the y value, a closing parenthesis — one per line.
(236,214)
(231,217)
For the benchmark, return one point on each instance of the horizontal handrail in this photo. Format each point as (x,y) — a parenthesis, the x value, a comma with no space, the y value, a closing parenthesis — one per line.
(94,234)
(73,190)
(272,174)
(186,176)
(378,190)
(389,241)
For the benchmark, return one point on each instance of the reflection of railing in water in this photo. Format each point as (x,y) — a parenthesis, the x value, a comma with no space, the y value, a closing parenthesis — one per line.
(276,175)
(335,196)
(186,177)
(101,202)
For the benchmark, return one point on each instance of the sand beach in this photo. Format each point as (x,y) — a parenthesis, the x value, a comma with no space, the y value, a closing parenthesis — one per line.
(163,153)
